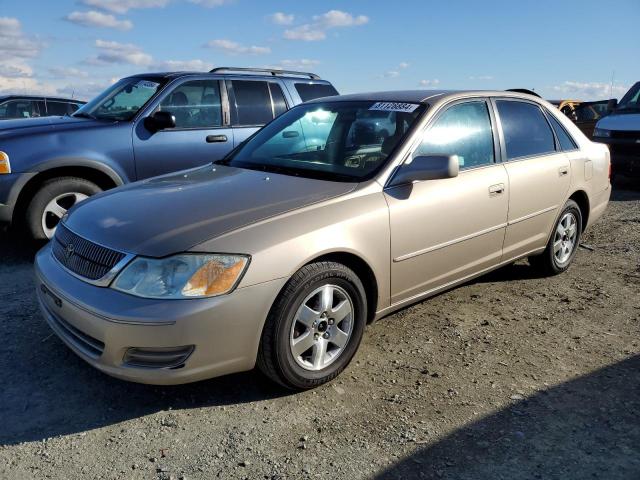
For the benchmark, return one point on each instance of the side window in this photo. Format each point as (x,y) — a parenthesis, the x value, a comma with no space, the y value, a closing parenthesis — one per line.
(73,107)
(58,108)
(279,103)
(195,104)
(252,102)
(21,109)
(566,142)
(526,130)
(464,130)
(3,109)
(311,91)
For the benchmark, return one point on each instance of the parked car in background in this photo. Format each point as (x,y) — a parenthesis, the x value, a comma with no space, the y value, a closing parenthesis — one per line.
(620,130)
(30,106)
(584,114)
(140,127)
(282,252)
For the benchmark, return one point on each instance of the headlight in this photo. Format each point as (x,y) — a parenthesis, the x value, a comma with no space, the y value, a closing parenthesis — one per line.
(5,166)
(600,132)
(188,275)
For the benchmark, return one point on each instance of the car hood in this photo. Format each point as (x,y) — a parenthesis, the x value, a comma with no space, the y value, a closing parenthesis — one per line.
(30,126)
(620,121)
(172,213)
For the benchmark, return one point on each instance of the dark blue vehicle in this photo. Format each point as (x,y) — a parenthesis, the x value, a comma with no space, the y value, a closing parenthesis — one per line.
(141,126)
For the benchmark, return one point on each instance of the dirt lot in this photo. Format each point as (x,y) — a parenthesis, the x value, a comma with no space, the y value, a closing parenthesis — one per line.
(511,376)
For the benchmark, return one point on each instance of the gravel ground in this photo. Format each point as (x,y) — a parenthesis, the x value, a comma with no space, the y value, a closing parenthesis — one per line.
(511,376)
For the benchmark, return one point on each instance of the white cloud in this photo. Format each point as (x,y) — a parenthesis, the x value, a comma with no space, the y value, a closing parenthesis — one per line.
(590,90)
(178,65)
(14,43)
(301,63)
(110,52)
(211,3)
(391,74)
(403,65)
(67,72)
(429,83)
(481,77)
(317,29)
(123,6)
(93,18)
(234,48)
(280,18)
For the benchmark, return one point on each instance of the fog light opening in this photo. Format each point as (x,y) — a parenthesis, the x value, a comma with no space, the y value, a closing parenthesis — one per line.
(158,357)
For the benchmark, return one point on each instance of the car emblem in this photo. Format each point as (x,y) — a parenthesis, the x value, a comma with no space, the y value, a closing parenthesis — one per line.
(69,251)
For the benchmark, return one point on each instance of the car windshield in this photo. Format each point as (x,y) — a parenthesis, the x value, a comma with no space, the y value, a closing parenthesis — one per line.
(338,141)
(631,100)
(122,100)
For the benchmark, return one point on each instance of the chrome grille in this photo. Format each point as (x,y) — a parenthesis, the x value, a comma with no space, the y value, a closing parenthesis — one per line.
(81,256)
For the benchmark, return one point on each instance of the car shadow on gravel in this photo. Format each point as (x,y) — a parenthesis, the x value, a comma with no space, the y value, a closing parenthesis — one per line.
(585,428)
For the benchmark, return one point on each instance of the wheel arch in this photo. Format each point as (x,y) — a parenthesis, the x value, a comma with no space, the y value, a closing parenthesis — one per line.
(103,176)
(364,272)
(582,199)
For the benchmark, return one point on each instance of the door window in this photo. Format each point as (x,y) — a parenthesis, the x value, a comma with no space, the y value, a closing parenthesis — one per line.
(21,109)
(252,102)
(463,130)
(195,104)
(525,128)
(58,108)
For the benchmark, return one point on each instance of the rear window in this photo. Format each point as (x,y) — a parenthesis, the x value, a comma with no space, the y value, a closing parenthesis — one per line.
(566,142)
(310,91)
(526,130)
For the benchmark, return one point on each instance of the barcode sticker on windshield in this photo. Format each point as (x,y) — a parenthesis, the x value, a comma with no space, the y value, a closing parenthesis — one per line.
(147,84)
(394,107)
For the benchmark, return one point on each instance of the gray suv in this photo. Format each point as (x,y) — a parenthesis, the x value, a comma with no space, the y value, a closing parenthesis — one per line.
(141,126)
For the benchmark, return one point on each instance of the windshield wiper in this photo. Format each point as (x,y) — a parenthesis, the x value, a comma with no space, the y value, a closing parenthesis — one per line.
(84,115)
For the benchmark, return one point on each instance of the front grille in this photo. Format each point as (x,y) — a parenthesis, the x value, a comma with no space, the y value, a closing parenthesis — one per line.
(81,256)
(86,343)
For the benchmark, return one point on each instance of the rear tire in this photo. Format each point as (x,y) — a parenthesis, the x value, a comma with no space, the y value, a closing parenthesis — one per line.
(563,242)
(52,201)
(314,327)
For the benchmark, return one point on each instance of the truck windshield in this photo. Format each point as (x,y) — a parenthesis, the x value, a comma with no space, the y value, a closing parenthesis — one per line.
(122,100)
(338,141)
(631,100)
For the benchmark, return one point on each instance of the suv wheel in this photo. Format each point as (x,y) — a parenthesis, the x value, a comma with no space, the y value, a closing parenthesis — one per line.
(563,243)
(52,201)
(314,327)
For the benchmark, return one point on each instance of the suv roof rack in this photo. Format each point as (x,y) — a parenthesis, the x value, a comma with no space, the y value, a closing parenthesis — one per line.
(270,71)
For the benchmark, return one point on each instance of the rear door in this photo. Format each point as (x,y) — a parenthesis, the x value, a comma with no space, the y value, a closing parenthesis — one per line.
(539,174)
(201,135)
(253,103)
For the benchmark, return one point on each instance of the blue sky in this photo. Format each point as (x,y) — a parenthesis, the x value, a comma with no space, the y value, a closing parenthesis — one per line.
(562,49)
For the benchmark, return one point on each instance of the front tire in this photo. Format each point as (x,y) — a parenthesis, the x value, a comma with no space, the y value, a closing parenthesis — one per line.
(563,243)
(52,201)
(314,327)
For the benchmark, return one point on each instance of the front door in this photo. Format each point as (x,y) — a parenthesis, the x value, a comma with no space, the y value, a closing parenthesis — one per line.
(199,137)
(446,230)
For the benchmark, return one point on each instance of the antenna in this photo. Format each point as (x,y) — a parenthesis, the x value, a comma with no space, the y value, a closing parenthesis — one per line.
(613,75)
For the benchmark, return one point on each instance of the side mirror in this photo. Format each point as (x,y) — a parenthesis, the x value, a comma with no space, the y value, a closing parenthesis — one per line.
(612,104)
(160,121)
(427,167)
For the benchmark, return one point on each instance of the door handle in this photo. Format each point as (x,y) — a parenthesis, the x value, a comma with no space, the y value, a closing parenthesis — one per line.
(562,171)
(216,138)
(496,189)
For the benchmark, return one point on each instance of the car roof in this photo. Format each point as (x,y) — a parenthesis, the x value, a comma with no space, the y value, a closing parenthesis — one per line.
(172,75)
(41,97)
(419,96)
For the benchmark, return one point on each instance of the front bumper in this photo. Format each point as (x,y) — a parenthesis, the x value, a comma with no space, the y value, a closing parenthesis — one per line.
(100,324)
(625,155)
